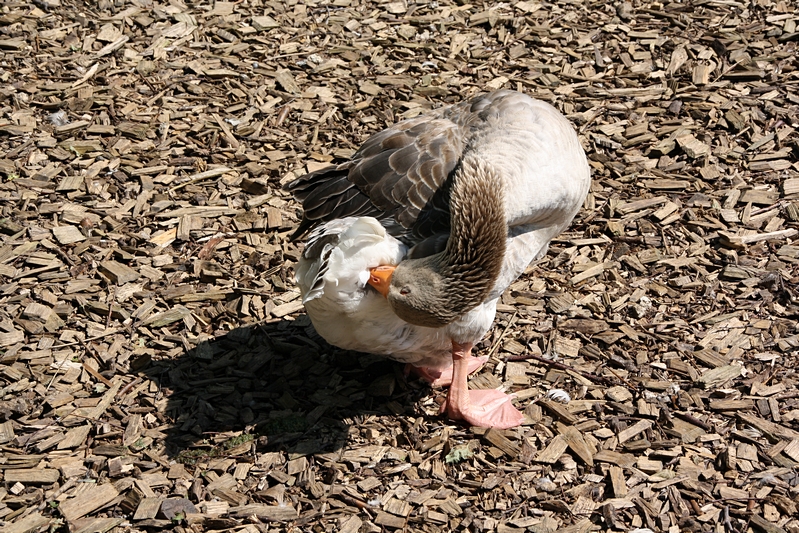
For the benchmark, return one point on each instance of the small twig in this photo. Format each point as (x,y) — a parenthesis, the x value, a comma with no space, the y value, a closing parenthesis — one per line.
(675,19)
(561,366)
(787,395)
(63,255)
(692,420)
(57,370)
(96,337)
(622,379)
(727,521)
(207,251)
(191,181)
(18,150)
(68,484)
(630,240)
(128,387)
(502,335)
(148,82)
(96,374)
(750,499)
(781,204)
(110,310)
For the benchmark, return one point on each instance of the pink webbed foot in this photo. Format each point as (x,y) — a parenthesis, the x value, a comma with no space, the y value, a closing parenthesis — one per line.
(485,408)
(482,408)
(443,377)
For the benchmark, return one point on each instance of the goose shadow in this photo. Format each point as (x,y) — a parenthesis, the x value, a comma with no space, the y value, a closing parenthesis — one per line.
(280,386)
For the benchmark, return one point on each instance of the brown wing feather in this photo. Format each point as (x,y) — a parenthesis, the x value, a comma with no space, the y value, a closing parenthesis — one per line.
(402,167)
(401,173)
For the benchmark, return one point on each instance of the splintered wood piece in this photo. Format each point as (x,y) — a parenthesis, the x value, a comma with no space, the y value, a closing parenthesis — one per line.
(649,466)
(759,196)
(495,437)
(709,358)
(666,210)
(271,513)
(351,524)
(68,234)
(147,508)
(716,377)
(37,311)
(634,430)
(98,525)
(578,445)
(792,450)
(9,338)
(91,498)
(769,428)
(32,475)
(701,73)
(731,405)
(398,507)
(790,187)
(164,238)
(75,437)
(692,146)
(567,347)
(761,524)
(231,139)
(286,80)
(624,460)
(388,520)
(133,430)
(638,205)
(295,466)
(274,218)
(688,432)
(742,240)
(118,273)
(559,411)
(556,447)
(588,273)
(264,22)
(6,432)
(617,481)
(29,523)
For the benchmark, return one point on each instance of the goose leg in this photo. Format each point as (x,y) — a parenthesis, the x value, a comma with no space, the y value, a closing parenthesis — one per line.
(482,408)
(442,377)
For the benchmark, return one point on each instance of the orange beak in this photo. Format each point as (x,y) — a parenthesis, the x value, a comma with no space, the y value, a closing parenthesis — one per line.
(380,278)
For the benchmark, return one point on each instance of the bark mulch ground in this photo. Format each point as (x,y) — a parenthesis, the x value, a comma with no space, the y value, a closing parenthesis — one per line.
(157,369)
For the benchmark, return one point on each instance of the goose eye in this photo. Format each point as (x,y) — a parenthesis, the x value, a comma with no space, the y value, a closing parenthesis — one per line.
(405,291)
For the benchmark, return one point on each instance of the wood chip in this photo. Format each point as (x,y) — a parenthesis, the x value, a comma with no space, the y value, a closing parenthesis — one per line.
(32,475)
(158,366)
(89,498)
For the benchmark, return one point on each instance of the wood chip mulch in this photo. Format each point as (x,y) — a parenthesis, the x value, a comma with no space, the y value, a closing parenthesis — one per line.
(157,370)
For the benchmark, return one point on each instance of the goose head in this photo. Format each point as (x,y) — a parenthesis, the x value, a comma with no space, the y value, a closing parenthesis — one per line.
(436,290)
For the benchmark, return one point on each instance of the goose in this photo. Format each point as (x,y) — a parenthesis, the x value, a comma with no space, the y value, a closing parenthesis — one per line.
(412,241)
